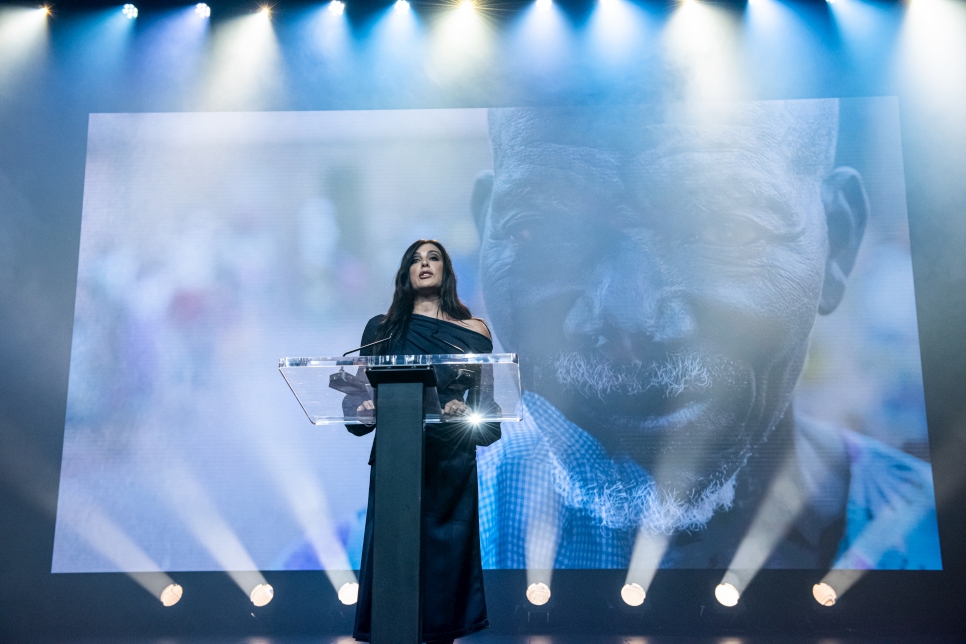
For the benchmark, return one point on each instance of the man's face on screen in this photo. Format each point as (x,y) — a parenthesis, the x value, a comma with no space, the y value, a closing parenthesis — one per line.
(658,277)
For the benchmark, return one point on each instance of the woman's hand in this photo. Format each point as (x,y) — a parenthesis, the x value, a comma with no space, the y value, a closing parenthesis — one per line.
(367,408)
(456,408)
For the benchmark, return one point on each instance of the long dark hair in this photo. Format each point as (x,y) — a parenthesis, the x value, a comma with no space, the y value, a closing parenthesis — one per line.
(401,309)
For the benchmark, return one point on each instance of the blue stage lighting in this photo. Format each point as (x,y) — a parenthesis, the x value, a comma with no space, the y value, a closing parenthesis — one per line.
(203,10)
(130,11)
(402,5)
(544,4)
(337,7)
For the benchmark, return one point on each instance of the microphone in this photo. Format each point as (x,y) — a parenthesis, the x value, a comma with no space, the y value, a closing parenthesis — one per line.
(371,344)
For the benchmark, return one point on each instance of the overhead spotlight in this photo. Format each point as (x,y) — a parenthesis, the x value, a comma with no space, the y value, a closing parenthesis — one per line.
(203,10)
(538,593)
(337,7)
(402,5)
(262,594)
(824,594)
(466,6)
(45,10)
(171,595)
(349,593)
(544,4)
(633,594)
(130,11)
(726,594)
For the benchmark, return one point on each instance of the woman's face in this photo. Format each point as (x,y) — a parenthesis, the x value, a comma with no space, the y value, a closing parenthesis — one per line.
(426,268)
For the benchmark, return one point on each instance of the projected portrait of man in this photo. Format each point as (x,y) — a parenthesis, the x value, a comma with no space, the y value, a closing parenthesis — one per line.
(659,271)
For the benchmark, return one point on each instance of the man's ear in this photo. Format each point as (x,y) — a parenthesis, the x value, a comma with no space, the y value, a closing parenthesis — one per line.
(480,202)
(846,213)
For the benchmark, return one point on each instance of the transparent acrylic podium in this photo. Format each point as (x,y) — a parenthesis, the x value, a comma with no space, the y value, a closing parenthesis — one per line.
(408,392)
(327,387)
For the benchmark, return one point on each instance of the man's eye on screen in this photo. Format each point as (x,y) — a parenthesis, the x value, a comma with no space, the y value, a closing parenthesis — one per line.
(521,231)
(538,231)
(728,230)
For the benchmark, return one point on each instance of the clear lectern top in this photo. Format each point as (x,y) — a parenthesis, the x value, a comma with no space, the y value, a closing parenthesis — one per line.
(331,390)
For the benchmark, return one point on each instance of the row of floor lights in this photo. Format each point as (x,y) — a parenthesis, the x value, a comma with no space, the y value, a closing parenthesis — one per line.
(261,595)
(727,594)
(538,594)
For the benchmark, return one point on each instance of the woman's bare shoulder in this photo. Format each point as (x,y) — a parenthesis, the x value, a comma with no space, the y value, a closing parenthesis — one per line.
(478,325)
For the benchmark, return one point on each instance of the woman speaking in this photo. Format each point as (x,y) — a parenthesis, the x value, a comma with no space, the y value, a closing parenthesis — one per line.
(427,317)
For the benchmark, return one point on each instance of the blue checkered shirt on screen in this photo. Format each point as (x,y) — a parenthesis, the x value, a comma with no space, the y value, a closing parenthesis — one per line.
(518,496)
(890,513)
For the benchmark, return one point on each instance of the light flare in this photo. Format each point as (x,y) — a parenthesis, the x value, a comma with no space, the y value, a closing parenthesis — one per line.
(23,41)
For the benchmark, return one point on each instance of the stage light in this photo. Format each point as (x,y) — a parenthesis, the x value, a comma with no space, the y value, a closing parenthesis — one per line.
(538,593)
(171,595)
(475,419)
(633,594)
(262,594)
(349,593)
(402,5)
(466,6)
(203,10)
(726,594)
(45,10)
(824,594)
(544,4)
(130,11)
(265,11)
(337,7)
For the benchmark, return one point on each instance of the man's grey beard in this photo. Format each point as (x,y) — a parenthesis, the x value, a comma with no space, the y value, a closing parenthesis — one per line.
(622,496)
(619,493)
(594,375)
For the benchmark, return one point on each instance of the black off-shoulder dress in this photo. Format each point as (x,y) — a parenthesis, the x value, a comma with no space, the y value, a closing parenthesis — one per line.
(453,603)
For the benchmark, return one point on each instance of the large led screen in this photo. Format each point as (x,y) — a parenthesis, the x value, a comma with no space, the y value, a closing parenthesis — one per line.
(713,306)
